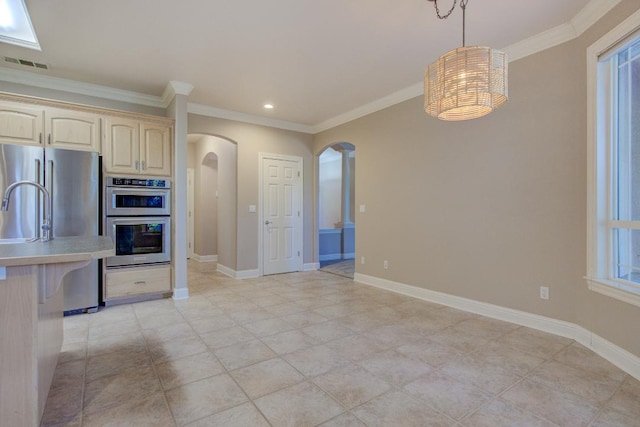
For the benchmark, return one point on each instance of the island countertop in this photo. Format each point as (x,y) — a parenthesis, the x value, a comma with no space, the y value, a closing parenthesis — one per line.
(58,250)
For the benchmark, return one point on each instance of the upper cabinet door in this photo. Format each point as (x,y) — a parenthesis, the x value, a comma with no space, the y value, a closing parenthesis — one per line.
(71,130)
(155,155)
(121,148)
(20,124)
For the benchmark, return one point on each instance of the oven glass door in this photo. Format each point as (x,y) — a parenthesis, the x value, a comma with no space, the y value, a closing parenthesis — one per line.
(129,201)
(141,240)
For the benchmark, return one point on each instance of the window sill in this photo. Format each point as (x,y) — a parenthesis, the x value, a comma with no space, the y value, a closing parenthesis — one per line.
(614,290)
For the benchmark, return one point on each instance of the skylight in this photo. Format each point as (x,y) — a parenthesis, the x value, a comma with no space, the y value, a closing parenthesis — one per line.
(15,25)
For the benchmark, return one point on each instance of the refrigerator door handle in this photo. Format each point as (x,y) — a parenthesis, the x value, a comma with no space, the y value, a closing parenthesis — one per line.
(51,191)
(38,196)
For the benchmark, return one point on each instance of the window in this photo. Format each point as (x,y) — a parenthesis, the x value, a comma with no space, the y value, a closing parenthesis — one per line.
(613,256)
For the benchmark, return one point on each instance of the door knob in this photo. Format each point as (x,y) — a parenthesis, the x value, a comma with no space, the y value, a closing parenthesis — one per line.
(267,222)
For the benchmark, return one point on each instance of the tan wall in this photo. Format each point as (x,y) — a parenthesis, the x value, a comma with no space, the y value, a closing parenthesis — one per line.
(208,196)
(215,215)
(252,140)
(490,209)
(191,156)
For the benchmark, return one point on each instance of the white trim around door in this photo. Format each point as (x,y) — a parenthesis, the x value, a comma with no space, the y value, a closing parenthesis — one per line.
(296,166)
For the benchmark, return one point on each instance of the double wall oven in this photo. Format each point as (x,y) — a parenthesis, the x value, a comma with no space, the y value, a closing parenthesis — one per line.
(138,220)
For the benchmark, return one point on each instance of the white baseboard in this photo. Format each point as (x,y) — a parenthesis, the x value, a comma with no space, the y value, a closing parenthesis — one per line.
(311,266)
(620,357)
(247,274)
(244,274)
(226,270)
(204,258)
(180,293)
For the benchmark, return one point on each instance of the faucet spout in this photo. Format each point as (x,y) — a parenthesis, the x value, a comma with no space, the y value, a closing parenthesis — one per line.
(46,222)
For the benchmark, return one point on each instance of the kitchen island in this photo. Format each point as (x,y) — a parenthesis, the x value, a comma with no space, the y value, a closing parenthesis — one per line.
(31,310)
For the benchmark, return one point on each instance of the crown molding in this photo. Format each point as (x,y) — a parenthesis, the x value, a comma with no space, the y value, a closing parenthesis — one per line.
(377,105)
(545,40)
(66,85)
(590,14)
(175,88)
(205,110)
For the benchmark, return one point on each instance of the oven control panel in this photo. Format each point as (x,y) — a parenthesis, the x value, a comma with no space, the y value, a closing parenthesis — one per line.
(113,181)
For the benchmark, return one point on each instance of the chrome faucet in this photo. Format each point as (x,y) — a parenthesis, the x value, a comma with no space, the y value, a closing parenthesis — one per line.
(46,223)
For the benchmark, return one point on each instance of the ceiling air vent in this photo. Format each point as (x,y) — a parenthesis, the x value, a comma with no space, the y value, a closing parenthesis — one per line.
(27,63)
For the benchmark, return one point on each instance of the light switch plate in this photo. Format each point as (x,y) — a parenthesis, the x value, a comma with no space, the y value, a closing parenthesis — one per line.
(252,208)
(363,208)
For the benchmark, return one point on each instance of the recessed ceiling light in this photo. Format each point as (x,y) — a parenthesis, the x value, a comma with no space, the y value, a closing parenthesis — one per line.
(15,25)
(268,106)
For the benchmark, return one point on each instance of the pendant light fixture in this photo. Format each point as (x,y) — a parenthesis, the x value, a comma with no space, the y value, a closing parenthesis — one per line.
(467,82)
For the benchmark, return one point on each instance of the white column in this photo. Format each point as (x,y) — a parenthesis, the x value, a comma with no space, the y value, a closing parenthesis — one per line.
(178,93)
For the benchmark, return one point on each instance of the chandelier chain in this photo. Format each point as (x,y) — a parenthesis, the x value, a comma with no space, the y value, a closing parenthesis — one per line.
(463,5)
(455,2)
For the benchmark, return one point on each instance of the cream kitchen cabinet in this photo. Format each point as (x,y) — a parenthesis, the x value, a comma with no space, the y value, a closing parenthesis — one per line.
(124,283)
(28,124)
(21,123)
(72,130)
(135,147)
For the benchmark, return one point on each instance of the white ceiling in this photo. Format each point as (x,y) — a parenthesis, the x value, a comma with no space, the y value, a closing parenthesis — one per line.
(315,60)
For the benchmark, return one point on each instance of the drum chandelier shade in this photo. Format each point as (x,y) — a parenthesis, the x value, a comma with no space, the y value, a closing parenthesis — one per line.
(467,82)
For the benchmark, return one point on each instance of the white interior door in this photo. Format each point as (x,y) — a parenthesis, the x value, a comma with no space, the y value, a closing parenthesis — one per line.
(282,215)
(190,209)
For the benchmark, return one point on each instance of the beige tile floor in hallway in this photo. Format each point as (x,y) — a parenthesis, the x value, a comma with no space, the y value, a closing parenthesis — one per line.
(307,349)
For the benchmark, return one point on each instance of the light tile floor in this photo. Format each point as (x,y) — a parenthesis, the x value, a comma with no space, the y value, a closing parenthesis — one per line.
(346,267)
(307,349)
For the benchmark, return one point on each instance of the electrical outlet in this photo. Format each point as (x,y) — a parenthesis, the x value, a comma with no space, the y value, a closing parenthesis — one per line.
(361,260)
(544,292)
(385,264)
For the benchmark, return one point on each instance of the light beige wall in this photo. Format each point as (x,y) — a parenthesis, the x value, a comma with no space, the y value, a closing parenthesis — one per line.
(252,140)
(209,198)
(191,156)
(207,216)
(215,216)
(490,209)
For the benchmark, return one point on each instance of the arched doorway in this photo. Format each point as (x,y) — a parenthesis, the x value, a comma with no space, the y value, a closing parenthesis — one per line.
(336,215)
(213,161)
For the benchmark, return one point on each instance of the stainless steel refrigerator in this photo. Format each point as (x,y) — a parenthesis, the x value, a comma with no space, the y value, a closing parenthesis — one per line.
(72,178)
